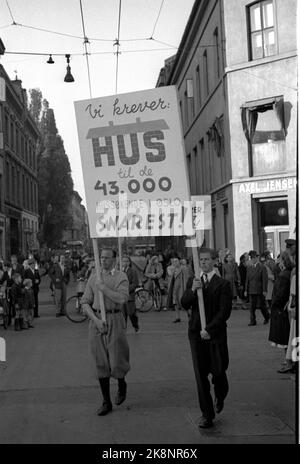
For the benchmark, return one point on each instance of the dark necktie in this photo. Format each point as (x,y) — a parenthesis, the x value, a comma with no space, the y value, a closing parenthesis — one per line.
(205,280)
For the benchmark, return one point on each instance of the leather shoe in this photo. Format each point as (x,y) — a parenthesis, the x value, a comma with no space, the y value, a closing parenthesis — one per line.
(219,405)
(252,323)
(205,423)
(105,409)
(121,395)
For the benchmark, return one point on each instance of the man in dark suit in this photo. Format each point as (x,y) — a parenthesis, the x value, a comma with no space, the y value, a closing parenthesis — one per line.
(256,287)
(33,274)
(60,276)
(209,344)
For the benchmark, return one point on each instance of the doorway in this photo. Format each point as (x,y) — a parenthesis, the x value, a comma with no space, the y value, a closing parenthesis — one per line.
(273,218)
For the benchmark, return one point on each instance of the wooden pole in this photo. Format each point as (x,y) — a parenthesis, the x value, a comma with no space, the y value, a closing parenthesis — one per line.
(197,270)
(98,273)
(120,253)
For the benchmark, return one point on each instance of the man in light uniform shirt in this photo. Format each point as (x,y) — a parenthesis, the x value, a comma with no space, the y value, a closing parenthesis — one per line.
(108,341)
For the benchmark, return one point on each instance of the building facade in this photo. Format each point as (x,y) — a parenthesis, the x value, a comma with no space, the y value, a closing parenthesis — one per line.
(78,230)
(236,74)
(18,171)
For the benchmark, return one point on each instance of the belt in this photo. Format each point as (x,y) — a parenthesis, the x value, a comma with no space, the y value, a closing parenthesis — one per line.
(108,311)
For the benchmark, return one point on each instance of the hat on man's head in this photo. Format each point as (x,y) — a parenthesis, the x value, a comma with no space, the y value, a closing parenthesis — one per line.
(289,242)
(253,254)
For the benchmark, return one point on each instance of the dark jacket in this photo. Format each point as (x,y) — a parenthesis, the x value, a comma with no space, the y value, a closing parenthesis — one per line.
(256,279)
(33,275)
(58,278)
(17,295)
(18,269)
(28,299)
(217,299)
(133,282)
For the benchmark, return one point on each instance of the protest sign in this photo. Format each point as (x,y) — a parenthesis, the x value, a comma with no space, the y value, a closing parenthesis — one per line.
(132,152)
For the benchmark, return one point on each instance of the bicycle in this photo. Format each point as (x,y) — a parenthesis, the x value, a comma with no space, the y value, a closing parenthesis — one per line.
(4,309)
(147,299)
(74,310)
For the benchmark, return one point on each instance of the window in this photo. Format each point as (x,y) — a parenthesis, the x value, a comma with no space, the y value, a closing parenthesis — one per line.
(226,224)
(6,130)
(190,95)
(189,167)
(214,217)
(17,142)
(181,113)
(24,191)
(18,199)
(186,109)
(264,127)
(198,86)
(202,166)
(12,136)
(261,29)
(217,53)
(7,180)
(205,72)
(274,213)
(196,171)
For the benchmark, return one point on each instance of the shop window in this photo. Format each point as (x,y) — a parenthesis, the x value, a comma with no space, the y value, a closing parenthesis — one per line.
(274,213)
(262,34)
(264,128)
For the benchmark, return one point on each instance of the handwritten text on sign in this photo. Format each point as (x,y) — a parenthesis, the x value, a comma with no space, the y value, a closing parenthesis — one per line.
(131,144)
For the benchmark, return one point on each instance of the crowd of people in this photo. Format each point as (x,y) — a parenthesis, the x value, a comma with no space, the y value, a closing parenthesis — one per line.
(257,282)
(20,285)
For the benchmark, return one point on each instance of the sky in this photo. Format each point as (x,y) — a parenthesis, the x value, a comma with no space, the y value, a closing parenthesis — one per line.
(140,19)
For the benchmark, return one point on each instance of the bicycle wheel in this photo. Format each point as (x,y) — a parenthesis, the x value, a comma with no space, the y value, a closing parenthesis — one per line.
(143,300)
(157,298)
(74,311)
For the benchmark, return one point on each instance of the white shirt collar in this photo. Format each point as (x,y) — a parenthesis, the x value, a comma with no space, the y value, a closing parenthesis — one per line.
(209,274)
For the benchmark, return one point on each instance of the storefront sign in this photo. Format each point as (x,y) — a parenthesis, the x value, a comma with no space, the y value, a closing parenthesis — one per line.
(274,185)
(132,151)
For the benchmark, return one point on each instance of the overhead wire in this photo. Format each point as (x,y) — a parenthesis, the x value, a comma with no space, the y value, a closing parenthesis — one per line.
(117,43)
(86,41)
(161,5)
(64,34)
(11,15)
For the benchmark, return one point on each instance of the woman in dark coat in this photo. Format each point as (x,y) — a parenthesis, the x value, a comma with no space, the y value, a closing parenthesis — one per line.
(280,326)
(230,272)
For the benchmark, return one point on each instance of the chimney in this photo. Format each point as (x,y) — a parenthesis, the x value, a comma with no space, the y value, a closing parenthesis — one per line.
(17,84)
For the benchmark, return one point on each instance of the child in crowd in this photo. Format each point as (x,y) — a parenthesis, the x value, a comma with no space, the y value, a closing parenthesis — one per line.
(17,301)
(28,303)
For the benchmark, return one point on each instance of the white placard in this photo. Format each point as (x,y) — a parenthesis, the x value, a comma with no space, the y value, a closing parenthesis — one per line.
(132,151)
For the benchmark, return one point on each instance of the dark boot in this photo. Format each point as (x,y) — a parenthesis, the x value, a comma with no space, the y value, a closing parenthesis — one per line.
(23,325)
(122,390)
(17,324)
(107,404)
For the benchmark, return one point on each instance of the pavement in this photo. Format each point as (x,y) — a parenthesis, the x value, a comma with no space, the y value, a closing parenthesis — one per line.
(48,393)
